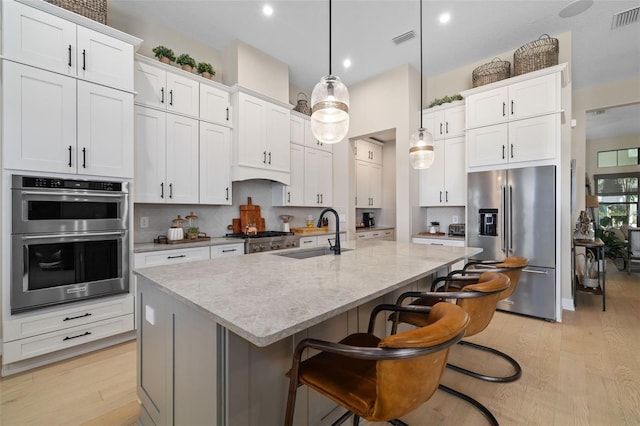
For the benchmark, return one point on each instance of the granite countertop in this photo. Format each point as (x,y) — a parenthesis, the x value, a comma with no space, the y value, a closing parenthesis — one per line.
(265,297)
(146,247)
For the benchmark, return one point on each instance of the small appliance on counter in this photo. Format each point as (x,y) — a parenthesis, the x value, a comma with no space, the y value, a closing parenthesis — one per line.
(456,230)
(368,219)
(286,220)
(434,228)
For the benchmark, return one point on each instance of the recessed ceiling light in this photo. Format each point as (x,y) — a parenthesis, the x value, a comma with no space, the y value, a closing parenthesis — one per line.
(346,63)
(444,18)
(575,8)
(267,10)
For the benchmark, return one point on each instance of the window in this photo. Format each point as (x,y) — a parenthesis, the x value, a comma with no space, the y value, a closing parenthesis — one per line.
(618,158)
(618,196)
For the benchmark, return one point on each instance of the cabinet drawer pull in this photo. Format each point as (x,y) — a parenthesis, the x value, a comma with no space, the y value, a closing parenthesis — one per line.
(229,250)
(177,257)
(86,333)
(88,314)
(84,60)
(69,55)
(162,95)
(69,155)
(307,242)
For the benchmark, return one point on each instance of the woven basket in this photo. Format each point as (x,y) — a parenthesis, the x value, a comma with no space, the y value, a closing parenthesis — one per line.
(92,9)
(302,105)
(495,70)
(536,55)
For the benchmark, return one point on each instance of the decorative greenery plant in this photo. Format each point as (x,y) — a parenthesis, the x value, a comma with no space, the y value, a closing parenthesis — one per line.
(445,100)
(185,59)
(205,67)
(164,52)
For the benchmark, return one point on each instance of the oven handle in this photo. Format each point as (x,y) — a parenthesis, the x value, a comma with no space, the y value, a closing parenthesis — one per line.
(88,234)
(75,194)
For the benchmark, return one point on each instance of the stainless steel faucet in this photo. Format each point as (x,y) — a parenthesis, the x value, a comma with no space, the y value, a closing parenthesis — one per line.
(336,247)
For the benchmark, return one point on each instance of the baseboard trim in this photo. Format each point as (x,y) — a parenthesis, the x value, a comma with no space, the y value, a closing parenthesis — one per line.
(567,304)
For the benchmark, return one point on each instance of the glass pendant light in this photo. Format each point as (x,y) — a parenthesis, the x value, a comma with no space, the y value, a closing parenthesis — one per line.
(421,152)
(330,105)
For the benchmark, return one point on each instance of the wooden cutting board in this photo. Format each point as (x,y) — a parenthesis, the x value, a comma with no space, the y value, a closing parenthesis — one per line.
(250,214)
(310,230)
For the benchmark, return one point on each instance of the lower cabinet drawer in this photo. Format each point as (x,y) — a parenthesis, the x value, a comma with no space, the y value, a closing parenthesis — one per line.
(227,250)
(66,317)
(42,344)
(167,257)
(308,242)
(438,241)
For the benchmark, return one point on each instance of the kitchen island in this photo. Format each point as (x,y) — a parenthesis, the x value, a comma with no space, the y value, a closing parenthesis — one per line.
(215,338)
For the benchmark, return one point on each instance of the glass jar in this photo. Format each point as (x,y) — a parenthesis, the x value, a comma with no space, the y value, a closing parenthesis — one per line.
(192,226)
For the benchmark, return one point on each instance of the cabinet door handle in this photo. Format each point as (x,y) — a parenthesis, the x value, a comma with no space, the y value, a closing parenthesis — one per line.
(162,95)
(288,196)
(171,97)
(171,190)
(440,196)
(503,152)
(321,198)
(69,155)
(227,113)
(503,107)
(162,190)
(69,55)
(317,198)
(86,333)
(84,158)
(446,196)
(511,150)
(447,128)
(440,128)
(176,257)
(264,157)
(511,107)
(88,314)
(269,158)
(227,196)
(84,60)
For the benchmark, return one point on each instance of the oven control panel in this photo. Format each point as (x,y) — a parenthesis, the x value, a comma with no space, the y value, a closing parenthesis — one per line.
(55,183)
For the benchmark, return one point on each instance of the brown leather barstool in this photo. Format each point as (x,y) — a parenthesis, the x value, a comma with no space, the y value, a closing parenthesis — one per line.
(512,267)
(478,296)
(380,379)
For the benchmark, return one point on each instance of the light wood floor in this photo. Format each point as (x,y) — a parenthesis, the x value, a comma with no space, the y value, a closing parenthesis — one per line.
(584,371)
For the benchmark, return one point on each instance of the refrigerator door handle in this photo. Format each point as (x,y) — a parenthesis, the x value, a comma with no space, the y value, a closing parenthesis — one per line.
(510,249)
(503,240)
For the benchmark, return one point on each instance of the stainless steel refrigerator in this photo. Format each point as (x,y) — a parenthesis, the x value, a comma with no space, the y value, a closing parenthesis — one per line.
(512,213)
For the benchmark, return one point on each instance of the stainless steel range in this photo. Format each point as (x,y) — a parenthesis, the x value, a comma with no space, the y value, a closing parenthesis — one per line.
(267,241)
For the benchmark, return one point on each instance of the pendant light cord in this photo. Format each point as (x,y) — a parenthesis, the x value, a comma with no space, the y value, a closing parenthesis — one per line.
(330,36)
(420,64)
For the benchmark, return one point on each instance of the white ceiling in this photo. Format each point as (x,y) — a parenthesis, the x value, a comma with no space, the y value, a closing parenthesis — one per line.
(362,30)
(613,122)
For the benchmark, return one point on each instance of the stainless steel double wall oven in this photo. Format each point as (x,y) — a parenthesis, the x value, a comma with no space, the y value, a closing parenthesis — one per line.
(70,240)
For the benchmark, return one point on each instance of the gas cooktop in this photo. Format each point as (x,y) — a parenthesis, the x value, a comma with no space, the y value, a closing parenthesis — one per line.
(267,241)
(263,234)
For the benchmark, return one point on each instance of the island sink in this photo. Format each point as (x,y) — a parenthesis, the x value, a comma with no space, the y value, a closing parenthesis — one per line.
(306,253)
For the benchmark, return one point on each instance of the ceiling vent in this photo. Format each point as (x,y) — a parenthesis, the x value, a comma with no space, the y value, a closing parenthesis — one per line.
(626,17)
(404,37)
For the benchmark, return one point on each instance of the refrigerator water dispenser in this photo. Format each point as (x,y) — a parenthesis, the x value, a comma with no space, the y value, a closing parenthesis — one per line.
(489,222)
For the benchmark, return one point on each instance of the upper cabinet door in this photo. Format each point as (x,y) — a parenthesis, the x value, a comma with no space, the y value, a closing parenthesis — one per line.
(534,97)
(150,155)
(311,141)
(296,129)
(182,160)
(454,121)
(37,38)
(278,150)
(487,145)
(433,122)
(183,95)
(150,84)
(104,60)
(39,129)
(215,164)
(214,105)
(486,108)
(105,131)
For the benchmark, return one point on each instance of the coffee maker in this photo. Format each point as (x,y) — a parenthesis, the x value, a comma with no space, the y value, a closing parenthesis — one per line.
(367,219)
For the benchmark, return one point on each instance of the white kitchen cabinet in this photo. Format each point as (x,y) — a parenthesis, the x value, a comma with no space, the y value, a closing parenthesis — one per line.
(377,234)
(311,141)
(81,128)
(368,151)
(215,164)
(171,256)
(167,90)
(444,183)
(518,141)
(445,121)
(37,38)
(292,194)
(166,157)
(443,242)
(526,98)
(308,242)
(261,139)
(236,249)
(301,133)
(368,184)
(215,105)
(318,180)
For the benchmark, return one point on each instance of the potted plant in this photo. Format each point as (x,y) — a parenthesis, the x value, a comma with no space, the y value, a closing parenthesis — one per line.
(206,69)
(164,54)
(186,61)
(192,232)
